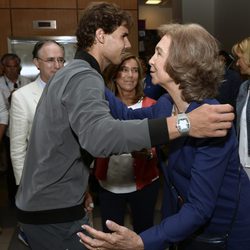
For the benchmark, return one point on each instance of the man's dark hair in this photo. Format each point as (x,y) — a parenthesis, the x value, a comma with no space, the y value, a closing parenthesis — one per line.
(10,56)
(107,16)
(40,44)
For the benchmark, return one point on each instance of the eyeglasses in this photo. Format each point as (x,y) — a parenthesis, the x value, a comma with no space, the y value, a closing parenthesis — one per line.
(52,60)
(126,70)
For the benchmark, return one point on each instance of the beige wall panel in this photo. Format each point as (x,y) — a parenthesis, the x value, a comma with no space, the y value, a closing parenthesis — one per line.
(133,36)
(43,3)
(4,4)
(5,30)
(66,22)
(125,4)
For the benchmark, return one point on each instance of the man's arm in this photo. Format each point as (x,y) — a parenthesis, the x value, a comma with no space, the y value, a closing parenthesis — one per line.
(206,121)
(4,115)
(18,130)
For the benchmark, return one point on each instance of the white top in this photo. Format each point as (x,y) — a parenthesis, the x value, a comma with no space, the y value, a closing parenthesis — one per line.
(4,114)
(7,86)
(120,175)
(243,148)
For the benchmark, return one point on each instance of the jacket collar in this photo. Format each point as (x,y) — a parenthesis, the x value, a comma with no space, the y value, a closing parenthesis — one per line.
(83,55)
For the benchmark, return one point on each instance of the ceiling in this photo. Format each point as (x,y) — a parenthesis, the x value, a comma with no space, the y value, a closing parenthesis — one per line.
(165,3)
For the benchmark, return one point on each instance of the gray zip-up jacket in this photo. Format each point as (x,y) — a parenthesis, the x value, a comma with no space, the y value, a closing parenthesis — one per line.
(71,115)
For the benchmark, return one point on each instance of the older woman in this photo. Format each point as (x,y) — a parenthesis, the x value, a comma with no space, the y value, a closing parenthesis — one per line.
(205,175)
(128,179)
(241,50)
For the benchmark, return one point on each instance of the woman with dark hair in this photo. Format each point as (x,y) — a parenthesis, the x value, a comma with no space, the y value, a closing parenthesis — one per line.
(206,200)
(128,179)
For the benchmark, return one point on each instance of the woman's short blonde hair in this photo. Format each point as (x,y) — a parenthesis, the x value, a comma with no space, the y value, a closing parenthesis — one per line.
(242,48)
(193,61)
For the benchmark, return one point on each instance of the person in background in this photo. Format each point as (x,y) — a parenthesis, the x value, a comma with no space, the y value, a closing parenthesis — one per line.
(208,195)
(229,89)
(11,79)
(241,50)
(1,68)
(228,59)
(48,56)
(9,82)
(3,128)
(150,90)
(129,179)
(73,124)
(4,117)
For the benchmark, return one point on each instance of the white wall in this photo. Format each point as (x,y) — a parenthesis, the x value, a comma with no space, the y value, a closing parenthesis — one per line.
(155,15)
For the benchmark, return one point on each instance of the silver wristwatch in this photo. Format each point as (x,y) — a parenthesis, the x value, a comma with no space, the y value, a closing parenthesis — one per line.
(183,124)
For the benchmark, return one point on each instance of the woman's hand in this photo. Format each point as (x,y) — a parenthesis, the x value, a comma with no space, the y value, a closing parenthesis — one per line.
(121,239)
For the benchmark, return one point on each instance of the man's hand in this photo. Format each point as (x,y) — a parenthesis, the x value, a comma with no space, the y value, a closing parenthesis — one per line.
(121,239)
(211,120)
(205,121)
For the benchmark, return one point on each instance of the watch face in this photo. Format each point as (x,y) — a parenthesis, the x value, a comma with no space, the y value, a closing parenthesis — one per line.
(183,123)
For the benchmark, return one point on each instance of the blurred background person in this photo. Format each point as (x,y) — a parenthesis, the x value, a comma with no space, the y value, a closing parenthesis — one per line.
(4,116)
(1,68)
(11,78)
(154,91)
(48,56)
(241,50)
(229,89)
(128,180)
(9,82)
(4,121)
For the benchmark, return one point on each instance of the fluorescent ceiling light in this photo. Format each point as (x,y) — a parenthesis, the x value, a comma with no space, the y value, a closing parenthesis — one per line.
(153,1)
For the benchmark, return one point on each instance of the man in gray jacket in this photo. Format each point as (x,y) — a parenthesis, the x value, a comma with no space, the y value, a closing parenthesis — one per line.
(73,124)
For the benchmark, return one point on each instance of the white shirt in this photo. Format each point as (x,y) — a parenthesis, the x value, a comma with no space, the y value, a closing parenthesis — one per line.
(120,175)
(7,86)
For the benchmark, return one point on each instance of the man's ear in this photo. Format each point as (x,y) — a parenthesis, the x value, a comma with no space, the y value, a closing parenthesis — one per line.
(35,61)
(100,34)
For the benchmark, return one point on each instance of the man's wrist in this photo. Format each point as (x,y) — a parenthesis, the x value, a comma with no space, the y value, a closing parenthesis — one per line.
(172,130)
(183,124)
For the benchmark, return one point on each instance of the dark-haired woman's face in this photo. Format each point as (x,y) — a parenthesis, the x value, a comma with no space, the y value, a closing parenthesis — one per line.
(127,77)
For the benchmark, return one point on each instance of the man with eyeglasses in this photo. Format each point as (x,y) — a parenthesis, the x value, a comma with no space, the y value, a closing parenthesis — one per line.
(48,56)
(11,79)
